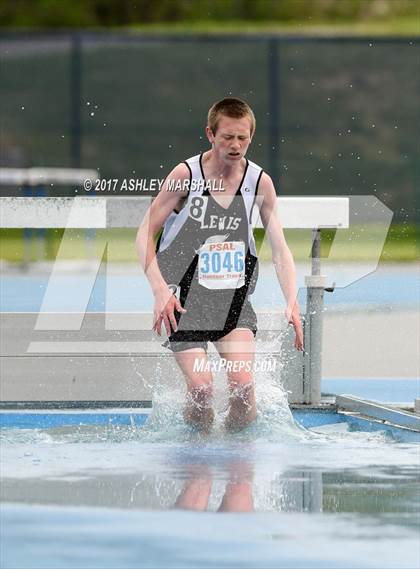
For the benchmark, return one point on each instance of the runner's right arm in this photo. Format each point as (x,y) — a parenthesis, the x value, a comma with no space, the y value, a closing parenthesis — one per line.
(160,209)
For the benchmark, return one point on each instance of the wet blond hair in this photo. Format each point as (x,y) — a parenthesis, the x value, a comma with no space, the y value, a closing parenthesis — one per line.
(230,107)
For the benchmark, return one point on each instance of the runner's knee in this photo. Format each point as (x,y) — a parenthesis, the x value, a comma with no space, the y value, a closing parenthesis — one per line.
(242,375)
(200,395)
(242,391)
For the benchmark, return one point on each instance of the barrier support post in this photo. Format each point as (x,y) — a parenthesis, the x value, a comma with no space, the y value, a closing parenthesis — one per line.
(313,321)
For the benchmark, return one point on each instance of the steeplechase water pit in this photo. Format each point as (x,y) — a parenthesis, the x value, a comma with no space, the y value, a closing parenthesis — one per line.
(327,480)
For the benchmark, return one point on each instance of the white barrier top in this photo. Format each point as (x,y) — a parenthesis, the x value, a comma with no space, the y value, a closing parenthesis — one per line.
(99,212)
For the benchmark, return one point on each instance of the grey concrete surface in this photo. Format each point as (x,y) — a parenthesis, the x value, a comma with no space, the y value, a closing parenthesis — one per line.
(375,344)
(122,365)
(98,364)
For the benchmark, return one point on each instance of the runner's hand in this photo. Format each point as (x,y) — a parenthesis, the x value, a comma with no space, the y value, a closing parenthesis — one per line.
(293,317)
(164,311)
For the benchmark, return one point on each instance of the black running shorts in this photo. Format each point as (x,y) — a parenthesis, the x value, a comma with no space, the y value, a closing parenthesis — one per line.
(241,315)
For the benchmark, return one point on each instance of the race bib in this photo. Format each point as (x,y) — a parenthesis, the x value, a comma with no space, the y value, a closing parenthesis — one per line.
(222,265)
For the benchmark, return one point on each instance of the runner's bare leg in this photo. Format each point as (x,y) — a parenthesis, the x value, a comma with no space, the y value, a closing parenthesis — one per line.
(239,346)
(197,411)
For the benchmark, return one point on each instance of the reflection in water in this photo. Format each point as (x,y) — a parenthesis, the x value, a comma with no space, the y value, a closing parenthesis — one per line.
(306,499)
(237,496)
(272,466)
(198,487)
(297,491)
(235,477)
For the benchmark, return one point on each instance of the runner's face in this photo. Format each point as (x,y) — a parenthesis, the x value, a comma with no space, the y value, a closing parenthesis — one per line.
(232,138)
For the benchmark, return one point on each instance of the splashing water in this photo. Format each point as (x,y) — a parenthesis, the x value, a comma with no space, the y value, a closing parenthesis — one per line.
(274,423)
(274,419)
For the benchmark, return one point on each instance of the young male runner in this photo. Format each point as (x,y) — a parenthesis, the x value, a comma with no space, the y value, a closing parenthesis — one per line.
(205,267)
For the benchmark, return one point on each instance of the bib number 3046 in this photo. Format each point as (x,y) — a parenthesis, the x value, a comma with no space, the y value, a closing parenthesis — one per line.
(222,265)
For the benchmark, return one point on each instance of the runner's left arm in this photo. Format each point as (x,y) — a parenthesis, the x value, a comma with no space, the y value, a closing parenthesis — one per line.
(281,254)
